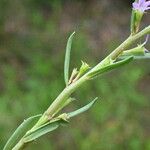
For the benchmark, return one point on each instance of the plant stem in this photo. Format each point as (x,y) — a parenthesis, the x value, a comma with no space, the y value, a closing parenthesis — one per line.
(71,88)
(20,145)
(60,100)
(130,40)
(65,94)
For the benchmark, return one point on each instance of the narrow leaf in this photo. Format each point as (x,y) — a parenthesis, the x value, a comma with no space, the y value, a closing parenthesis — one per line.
(137,51)
(53,125)
(67,58)
(48,127)
(81,110)
(20,132)
(110,67)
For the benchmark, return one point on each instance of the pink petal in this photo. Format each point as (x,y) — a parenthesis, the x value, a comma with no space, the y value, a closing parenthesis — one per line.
(148,8)
(141,2)
(147,3)
(135,5)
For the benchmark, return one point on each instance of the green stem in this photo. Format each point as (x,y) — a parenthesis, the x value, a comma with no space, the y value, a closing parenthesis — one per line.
(64,95)
(130,40)
(20,145)
(71,88)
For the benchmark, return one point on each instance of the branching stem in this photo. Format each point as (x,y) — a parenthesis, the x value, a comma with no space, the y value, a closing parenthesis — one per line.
(65,94)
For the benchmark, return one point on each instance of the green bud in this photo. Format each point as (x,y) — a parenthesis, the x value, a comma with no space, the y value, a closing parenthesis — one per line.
(63,116)
(84,67)
(137,51)
(73,75)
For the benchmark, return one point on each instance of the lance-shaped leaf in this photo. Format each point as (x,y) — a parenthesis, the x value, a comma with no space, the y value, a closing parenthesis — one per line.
(67,58)
(55,123)
(20,132)
(137,51)
(110,67)
(44,129)
(81,110)
(143,54)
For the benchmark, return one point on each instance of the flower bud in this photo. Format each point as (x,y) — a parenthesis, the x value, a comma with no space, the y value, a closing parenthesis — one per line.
(137,51)
(136,21)
(73,75)
(84,67)
(139,8)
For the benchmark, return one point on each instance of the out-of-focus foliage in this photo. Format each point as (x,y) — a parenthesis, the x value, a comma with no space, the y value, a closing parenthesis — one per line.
(33,35)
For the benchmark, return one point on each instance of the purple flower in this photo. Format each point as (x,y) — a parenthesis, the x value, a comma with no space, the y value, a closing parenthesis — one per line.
(141,5)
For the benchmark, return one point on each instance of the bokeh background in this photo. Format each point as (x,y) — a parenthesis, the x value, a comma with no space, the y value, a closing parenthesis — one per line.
(33,35)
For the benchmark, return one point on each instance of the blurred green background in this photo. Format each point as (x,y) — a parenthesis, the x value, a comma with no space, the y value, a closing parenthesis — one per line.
(33,35)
